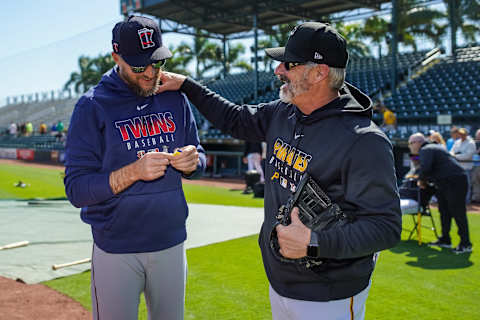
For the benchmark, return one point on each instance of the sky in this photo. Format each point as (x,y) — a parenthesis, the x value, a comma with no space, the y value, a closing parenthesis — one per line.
(42,40)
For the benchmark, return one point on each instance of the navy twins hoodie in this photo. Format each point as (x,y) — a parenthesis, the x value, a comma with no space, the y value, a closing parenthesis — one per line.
(110,128)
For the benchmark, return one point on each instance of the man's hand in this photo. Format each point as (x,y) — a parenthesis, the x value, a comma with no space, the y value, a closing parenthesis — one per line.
(185,159)
(150,167)
(294,238)
(170,81)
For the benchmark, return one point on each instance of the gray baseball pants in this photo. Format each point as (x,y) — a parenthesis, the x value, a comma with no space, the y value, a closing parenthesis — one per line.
(119,279)
(352,308)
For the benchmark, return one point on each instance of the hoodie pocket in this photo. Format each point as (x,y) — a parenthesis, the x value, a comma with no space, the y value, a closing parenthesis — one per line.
(162,212)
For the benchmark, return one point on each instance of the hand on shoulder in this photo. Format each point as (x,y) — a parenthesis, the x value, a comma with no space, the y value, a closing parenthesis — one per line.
(170,81)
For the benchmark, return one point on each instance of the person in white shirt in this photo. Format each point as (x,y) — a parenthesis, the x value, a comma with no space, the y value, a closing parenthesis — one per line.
(463,150)
(13,129)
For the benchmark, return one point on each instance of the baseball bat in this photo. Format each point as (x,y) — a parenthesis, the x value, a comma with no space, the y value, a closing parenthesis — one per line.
(15,245)
(69,264)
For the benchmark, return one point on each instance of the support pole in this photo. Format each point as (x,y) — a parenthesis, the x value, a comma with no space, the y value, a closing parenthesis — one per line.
(224,56)
(452,10)
(394,44)
(255,30)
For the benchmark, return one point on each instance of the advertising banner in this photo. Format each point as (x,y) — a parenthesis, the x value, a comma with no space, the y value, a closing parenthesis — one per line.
(25,154)
(8,153)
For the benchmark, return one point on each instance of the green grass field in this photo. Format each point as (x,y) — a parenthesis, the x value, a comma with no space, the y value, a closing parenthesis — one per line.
(48,184)
(226,280)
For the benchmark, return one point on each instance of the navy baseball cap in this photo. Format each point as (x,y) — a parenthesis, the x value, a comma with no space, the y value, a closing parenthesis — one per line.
(139,41)
(315,42)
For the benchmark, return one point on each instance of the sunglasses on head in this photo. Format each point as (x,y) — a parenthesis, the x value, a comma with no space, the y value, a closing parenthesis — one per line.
(290,65)
(156,65)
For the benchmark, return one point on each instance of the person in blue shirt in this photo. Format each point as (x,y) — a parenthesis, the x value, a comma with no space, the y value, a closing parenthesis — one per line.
(454,136)
(127,150)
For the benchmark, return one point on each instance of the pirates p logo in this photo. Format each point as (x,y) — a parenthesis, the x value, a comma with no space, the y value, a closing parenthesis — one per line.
(146,36)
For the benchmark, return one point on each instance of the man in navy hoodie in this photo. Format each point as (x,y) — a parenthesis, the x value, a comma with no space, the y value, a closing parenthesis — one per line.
(126,153)
(321,126)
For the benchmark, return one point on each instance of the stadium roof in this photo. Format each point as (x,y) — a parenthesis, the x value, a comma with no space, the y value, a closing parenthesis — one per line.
(227,17)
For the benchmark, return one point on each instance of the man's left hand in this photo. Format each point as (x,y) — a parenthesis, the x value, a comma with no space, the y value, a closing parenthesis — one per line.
(185,159)
(294,238)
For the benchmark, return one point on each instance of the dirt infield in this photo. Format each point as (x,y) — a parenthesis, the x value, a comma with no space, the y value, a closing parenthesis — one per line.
(37,301)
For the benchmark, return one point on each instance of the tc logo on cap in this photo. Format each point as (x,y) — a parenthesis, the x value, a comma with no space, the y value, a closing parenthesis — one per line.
(146,36)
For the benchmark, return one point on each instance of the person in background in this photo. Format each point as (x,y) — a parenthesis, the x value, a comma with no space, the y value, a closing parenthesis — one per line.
(42,129)
(12,129)
(53,129)
(454,136)
(28,129)
(436,137)
(389,118)
(126,153)
(441,168)
(253,155)
(476,170)
(60,126)
(463,150)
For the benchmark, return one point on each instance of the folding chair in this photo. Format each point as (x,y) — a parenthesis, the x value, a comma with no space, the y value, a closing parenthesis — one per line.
(417,208)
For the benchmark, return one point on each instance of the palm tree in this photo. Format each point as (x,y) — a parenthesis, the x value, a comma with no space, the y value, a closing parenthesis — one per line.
(91,71)
(415,22)
(233,59)
(202,51)
(277,36)
(376,29)
(467,15)
(354,33)
(178,62)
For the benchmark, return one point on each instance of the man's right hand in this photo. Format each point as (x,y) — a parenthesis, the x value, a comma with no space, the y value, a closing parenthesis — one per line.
(170,81)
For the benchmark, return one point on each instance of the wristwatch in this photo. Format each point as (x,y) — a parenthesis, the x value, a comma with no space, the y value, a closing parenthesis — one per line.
(312,249)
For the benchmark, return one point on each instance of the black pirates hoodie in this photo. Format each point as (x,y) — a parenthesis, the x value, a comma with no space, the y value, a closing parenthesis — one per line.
(350,158)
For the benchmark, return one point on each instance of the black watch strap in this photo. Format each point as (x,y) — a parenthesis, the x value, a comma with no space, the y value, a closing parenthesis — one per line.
(312,249)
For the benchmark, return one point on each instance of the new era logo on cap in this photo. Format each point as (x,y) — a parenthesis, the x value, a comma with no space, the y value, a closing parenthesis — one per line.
(317,56)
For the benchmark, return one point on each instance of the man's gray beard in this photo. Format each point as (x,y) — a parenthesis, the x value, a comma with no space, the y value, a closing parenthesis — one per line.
(285,97)
(294,89)
(139,91)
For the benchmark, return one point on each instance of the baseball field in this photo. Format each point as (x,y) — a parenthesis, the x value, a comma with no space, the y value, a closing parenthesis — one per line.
(226,280)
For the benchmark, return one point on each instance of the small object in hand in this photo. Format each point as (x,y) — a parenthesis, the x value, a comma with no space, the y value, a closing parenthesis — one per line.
(177,152)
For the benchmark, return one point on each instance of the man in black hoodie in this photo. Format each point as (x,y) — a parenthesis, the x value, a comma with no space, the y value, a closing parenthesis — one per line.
(321,126)
(437,165)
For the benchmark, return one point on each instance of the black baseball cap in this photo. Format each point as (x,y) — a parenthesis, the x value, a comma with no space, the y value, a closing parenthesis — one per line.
(313,41)
(139,41)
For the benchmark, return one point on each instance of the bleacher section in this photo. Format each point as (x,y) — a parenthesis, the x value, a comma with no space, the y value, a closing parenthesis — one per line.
(373,75)
(449,87)
(445,86)
(47,112)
